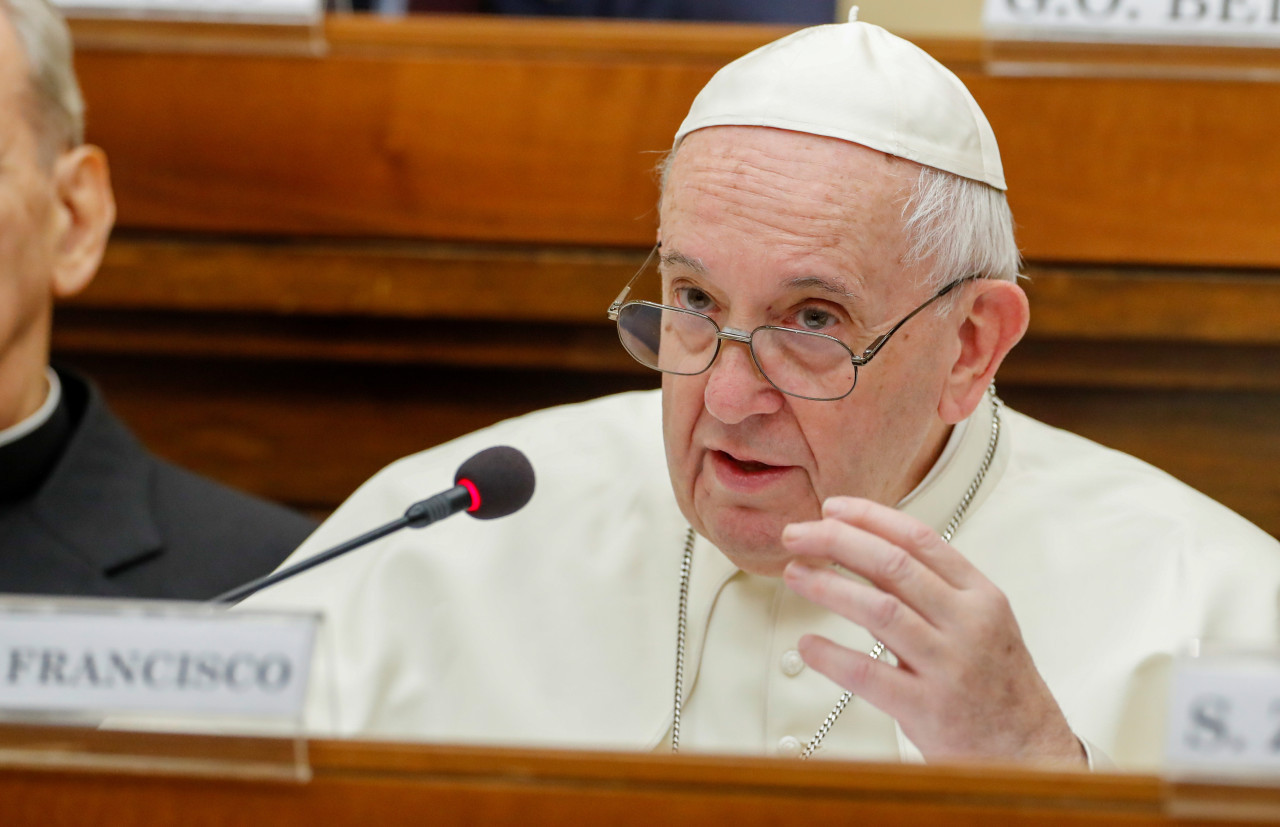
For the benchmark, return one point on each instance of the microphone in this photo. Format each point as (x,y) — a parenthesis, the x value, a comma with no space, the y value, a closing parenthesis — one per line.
(494,483)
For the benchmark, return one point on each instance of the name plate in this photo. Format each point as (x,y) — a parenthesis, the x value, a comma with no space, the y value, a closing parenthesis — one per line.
(1238,22)
(267,12)
(103,657)
(1224,716)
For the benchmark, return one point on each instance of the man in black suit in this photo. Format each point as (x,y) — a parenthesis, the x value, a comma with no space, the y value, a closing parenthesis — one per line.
(84,509)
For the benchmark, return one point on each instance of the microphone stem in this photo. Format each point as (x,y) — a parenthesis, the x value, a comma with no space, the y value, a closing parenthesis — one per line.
(241,592)
(420,514)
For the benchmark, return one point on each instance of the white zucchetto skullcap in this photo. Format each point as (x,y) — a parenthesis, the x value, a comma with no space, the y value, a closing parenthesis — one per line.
(856,82)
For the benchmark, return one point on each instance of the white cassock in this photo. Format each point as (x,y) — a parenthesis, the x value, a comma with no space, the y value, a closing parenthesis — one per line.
(556,626)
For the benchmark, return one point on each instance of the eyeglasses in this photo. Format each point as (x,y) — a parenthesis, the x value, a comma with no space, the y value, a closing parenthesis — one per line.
(799,363)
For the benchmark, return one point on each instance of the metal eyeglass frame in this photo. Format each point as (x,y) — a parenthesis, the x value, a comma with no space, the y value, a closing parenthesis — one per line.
(744,337)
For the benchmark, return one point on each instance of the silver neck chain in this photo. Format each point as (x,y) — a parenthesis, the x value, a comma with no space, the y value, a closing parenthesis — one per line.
(686,568)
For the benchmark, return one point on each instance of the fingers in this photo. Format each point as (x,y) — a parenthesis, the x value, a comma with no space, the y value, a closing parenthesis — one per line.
(905,532)
(889,618)
(964,683)
(883,686)
(890,567)
(1014,718)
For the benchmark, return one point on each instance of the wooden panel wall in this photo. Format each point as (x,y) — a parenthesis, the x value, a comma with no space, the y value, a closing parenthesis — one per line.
(329,259)
(544,132)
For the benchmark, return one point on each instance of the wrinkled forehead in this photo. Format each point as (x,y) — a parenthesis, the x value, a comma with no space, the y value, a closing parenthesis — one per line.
(780,196)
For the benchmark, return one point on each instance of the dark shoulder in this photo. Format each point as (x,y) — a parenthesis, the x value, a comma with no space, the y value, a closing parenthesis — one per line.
(144,527)
(224,512)
(226,535)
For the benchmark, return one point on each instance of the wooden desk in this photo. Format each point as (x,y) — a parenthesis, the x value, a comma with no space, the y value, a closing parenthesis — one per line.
(358,783)
(416,232)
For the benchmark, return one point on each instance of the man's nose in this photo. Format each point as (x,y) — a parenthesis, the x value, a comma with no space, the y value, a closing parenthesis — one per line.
(736,389)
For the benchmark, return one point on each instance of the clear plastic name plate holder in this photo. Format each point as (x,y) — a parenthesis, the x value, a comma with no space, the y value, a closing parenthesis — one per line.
(270,27)
(1192,22)
(1222,734)
(154,687)
(1229,39)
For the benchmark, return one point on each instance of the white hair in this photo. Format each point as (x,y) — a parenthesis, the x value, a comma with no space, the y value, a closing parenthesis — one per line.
(57,107)
(960,226)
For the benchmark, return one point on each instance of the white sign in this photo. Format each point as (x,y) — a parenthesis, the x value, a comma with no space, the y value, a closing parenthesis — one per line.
(1224,716)
(1207,21)
(285,12)
(103,657)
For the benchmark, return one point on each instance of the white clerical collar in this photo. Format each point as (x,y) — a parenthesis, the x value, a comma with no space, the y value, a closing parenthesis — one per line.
(948,451)
(16,432)
(935,499)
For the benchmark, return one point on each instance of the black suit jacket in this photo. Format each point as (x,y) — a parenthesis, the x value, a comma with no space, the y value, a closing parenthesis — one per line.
(113,520)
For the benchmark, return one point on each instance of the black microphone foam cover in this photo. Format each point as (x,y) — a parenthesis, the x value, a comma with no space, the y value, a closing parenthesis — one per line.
(503,478)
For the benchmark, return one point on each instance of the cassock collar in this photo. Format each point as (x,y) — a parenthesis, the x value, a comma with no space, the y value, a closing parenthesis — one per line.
(98,497)
(30,449)
(52,399)
(935,501)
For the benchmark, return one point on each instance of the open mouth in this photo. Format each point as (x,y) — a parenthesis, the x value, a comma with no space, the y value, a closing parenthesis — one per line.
(745,465)
(747,476)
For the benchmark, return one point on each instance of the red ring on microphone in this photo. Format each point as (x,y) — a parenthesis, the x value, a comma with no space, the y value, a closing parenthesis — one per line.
(473,491)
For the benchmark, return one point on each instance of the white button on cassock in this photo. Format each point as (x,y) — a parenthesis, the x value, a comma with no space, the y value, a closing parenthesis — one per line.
(789,746)
(792,663)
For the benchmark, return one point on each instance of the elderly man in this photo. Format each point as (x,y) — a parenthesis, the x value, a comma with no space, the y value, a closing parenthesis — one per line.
(826,519)
(84,509)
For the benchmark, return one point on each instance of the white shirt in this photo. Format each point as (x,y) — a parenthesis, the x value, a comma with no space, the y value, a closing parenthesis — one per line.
(556,626)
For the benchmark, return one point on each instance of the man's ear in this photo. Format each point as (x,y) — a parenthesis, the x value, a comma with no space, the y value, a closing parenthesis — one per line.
(995,317)
(87,210)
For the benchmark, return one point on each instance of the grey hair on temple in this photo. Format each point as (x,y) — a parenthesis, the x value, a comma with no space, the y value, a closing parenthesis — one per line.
(57,107)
